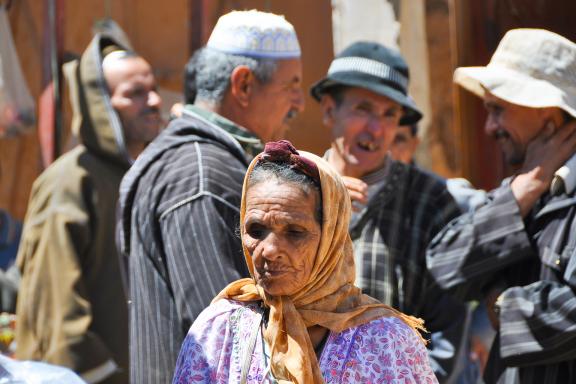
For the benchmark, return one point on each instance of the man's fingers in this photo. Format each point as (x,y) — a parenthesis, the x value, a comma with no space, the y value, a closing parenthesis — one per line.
(564,142)
(357,196)
(553,140)
(355,184)
(571,142)
(357,189)
(549,130)
(564,132)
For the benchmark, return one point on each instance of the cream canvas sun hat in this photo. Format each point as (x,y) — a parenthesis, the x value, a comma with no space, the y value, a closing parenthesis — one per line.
(531,67)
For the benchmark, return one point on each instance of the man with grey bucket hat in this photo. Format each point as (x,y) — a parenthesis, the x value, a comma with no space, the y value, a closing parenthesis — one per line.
(398,208)
(518,250)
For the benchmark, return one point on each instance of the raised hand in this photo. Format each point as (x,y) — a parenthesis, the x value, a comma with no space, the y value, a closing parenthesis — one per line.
(358,191)
(544,155)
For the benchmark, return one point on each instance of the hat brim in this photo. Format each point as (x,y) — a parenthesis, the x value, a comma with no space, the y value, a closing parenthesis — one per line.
(514,87)
(411,113)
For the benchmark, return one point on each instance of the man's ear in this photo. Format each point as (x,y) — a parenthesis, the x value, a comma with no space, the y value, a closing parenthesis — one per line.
(242,84)
(328,107)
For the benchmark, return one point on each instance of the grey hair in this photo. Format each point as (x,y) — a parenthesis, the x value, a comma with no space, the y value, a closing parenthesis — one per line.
(282,172)
(212,69)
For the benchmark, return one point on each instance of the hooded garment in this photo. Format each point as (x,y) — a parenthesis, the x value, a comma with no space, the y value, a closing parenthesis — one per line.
(71,307)
(328,299)
(180,206)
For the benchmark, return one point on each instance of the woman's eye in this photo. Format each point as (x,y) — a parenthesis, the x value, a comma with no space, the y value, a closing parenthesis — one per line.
(296,233)
(255,231)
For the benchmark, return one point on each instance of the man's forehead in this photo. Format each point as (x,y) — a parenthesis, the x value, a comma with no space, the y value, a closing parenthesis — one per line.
(288,70)
(492,100)
(358,94)
(124,69)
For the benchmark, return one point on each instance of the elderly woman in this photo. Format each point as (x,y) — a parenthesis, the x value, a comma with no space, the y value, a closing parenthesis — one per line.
(299,319)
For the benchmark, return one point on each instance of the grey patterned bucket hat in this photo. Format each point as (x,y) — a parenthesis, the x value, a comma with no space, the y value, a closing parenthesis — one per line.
(376,68)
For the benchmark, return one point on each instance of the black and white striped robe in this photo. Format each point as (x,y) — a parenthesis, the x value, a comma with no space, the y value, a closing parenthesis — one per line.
(535,261)
(180,206)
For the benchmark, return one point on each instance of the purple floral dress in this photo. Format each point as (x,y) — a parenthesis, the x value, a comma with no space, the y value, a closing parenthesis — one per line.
(383,351)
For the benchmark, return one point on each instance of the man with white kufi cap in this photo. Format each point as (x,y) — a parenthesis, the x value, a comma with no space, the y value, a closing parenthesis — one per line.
(180,203)
(518,251)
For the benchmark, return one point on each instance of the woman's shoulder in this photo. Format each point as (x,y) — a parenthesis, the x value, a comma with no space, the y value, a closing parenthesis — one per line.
(383,350)
(227,310)
(389,326)
(393,326)
(381,335)
(380,338)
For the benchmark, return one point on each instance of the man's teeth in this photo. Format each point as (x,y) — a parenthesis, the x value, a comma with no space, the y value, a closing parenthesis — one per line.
(369,146)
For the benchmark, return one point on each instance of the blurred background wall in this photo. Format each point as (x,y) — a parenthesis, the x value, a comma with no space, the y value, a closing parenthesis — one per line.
(435,36)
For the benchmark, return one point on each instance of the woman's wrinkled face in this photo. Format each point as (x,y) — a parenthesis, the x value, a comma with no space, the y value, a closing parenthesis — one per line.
(281,234)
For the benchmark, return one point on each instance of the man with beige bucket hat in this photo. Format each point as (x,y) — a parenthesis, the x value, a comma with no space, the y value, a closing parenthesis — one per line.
(518,250)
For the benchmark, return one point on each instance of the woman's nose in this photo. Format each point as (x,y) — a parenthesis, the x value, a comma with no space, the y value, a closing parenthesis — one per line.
(270,247)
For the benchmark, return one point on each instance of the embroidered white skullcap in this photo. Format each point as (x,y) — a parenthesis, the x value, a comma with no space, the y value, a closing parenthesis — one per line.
(255,34)
(531,67)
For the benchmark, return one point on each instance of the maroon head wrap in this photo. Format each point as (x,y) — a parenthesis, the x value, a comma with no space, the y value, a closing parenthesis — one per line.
(284,152)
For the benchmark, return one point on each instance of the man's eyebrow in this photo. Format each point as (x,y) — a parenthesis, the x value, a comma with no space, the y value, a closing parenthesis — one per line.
(364,102)
(294,79)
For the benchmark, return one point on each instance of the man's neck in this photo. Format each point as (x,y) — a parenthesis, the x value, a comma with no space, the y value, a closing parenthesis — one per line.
(208,105)
(135,149)
(224,109)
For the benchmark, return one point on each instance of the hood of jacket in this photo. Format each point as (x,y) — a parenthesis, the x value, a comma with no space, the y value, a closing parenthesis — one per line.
(94,119)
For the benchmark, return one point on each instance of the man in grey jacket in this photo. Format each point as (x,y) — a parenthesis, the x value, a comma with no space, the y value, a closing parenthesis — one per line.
(180,201)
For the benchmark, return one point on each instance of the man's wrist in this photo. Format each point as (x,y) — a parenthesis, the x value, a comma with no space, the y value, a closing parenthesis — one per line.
(527,189)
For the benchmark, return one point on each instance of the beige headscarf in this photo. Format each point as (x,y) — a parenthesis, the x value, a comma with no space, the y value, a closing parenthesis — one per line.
(328,299)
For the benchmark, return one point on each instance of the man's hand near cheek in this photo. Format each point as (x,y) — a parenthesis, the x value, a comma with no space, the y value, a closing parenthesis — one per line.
(358,191)
(544,155)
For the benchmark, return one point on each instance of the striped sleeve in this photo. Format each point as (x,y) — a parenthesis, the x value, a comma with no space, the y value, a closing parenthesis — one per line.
(184,252)
(538,322)
(472,247)
(204,231)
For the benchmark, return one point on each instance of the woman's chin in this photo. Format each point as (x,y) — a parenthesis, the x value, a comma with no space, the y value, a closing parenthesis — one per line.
(276,287)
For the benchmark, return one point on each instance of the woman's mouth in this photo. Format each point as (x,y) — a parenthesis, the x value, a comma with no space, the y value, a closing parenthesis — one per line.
(271,272)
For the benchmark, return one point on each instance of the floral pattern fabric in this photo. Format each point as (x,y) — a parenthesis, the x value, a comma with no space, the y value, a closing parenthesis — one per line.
(384,350)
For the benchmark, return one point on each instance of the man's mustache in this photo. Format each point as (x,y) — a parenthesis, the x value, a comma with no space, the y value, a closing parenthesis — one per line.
(291,114)
(501,134)
(151,111)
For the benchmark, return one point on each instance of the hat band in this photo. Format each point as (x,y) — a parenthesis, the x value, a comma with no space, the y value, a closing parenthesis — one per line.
(370,67)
